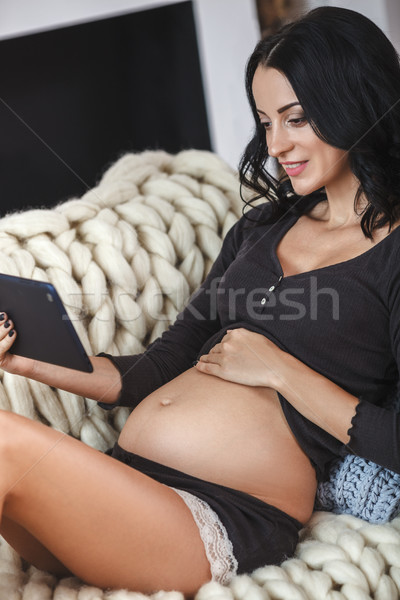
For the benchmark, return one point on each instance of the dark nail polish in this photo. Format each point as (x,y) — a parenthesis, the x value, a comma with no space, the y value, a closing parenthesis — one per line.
(11,333)
(7,324)
(1,316)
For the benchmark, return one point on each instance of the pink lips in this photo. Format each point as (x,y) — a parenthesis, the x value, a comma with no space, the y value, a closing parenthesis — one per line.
(294,168)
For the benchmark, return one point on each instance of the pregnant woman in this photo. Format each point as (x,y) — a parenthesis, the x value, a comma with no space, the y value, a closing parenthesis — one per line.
(279,363)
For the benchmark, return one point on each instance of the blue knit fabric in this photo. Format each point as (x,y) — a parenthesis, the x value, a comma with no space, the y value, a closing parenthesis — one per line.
(360,488)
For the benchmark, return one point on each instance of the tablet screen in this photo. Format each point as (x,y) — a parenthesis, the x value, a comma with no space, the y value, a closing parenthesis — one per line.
(44,330)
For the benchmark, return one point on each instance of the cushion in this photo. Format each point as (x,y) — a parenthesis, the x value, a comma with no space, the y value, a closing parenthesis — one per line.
(139,243)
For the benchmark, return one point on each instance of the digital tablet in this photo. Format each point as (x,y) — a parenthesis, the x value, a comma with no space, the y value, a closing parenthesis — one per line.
(44,330)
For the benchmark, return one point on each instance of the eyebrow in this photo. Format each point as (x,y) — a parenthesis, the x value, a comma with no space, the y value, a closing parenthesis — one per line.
(283,108)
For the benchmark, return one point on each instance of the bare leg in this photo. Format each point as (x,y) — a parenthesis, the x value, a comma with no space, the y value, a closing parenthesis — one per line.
(30,549)
(107,523)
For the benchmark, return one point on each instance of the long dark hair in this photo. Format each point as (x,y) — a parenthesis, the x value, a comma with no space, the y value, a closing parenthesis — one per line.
(346,76)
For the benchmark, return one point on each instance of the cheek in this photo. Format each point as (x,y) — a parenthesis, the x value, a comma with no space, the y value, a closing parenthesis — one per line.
(333,157)
(324,165)
(338,163)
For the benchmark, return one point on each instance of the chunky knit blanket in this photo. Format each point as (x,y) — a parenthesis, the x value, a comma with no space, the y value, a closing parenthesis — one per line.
(124,258)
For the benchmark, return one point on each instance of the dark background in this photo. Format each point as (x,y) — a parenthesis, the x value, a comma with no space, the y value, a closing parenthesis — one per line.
(73,100)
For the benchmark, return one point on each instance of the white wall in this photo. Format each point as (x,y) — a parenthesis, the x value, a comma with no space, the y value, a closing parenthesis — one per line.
(393,18)
(227,32)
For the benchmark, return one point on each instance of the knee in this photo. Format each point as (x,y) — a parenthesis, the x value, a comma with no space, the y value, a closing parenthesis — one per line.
(12,445)
(10,429)
(15,433)
(23,443)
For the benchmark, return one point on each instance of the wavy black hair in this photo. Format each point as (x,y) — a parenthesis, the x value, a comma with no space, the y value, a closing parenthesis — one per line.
(346,75)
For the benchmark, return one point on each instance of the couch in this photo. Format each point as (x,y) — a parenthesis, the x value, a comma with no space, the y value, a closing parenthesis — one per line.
(124,258)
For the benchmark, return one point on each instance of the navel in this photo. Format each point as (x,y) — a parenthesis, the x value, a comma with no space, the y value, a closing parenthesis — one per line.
(166,402)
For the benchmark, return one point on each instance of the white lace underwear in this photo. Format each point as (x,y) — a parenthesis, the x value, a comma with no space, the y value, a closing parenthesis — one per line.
(218,546)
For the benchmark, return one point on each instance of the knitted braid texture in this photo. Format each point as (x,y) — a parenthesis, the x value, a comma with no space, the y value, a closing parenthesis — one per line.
(124,258)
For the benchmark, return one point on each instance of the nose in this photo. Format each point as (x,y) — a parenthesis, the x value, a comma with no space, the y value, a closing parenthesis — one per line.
(278,141)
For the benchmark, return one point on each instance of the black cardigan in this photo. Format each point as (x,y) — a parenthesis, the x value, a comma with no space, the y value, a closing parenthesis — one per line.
(343,321)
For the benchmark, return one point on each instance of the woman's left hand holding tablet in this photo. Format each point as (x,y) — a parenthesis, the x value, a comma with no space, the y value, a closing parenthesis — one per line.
(244,357)
(7,338)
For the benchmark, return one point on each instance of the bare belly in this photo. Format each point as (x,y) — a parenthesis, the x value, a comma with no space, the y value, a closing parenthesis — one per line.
(226,433)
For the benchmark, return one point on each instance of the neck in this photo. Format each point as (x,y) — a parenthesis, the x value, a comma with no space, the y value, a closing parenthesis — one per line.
(339,209)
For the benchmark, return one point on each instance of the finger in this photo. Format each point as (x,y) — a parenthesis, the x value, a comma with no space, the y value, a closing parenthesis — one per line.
(209,368)
(8,323)
(6,326)
(210,358)
(7,340)
(214,349)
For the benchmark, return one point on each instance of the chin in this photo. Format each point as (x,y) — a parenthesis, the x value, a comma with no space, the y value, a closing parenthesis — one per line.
(303,188)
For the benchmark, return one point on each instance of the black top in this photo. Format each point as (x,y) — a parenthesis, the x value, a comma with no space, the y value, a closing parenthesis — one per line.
(341,320)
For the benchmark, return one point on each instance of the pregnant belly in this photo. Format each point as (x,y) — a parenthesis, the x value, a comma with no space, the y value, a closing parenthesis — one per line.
(227,433)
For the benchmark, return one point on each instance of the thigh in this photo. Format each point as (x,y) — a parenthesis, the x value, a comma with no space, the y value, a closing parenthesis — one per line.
(107,523)
(30,549)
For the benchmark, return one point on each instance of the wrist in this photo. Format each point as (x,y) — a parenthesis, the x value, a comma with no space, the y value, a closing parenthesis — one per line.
(18,365)
(284,375)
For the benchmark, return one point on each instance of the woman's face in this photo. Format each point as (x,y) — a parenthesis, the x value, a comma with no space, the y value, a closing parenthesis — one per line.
(309,162)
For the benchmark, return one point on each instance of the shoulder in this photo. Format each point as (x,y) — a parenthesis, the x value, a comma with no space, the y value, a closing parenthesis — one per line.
(244,227)
(252,216)
(258,214)
(390,263)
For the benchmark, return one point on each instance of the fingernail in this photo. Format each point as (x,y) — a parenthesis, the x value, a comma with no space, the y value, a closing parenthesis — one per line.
(7,324)
(11,333)
(1,316)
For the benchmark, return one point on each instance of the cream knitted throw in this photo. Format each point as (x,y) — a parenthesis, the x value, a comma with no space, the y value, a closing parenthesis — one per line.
(124,258)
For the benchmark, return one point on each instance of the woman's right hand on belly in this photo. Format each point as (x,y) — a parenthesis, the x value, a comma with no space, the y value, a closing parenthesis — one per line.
(244,357)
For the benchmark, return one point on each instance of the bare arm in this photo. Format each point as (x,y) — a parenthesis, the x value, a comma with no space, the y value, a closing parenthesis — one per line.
(103,384)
